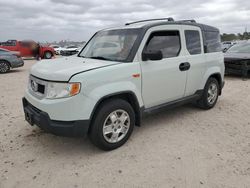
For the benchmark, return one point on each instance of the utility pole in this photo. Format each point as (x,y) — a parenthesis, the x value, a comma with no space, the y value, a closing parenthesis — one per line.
(245,34)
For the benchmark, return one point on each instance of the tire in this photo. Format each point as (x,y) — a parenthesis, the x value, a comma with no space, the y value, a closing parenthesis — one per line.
(210,94)
(47,55)
(108,131)
(4,66)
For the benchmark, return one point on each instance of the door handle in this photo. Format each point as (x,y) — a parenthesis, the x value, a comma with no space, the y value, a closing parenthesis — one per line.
(184,66)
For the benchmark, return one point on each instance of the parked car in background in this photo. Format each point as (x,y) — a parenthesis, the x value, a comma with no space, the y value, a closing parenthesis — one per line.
(70,50)
(25,48)
(9,60)
(226,45)
(154,65)
(237,59)
(57,49)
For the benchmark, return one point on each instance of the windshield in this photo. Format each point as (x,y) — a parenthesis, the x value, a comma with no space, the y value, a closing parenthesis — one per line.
(240,48)
(113,45)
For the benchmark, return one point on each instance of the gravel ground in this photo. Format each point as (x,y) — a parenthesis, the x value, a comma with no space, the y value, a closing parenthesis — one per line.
(183,147)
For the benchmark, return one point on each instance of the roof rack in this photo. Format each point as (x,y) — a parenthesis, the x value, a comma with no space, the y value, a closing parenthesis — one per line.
(157,19)
(192,21)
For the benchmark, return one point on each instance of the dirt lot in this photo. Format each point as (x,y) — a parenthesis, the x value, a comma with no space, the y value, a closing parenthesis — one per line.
(184,147)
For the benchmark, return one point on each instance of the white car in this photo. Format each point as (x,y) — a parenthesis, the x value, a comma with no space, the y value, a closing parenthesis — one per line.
(69,50)
(227,44)
(159,64)
(57,49)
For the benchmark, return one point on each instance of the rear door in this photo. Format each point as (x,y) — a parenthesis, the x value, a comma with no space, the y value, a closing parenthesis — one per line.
(162,80)
(195,57)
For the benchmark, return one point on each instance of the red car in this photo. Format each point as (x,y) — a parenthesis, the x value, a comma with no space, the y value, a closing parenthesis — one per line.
(25,48)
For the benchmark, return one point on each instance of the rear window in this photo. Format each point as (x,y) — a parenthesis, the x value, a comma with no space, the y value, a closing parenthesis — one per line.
(193,42)
(213,42)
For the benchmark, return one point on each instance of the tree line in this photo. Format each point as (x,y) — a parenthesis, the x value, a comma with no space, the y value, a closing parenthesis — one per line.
(239,36)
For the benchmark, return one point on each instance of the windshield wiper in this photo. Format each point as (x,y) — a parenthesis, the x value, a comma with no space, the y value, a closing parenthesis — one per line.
(100,57)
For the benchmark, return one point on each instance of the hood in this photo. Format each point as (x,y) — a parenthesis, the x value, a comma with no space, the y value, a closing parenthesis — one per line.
(237,56)
(61,69)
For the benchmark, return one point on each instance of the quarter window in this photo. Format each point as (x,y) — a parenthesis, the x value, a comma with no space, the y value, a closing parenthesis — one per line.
(168,42)
(212,41)
(193,42)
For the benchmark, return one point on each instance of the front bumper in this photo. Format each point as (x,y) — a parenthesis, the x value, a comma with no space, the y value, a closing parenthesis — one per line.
(63,128)
(17,63)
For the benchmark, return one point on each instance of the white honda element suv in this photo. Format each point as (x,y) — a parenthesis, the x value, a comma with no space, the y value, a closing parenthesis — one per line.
(123,74)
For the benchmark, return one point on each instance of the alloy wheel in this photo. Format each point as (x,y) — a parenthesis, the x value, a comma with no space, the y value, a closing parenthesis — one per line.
(212,93)
(116,126)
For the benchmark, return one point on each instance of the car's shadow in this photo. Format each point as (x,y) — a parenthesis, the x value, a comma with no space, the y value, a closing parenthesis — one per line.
(65,145)
(15,71)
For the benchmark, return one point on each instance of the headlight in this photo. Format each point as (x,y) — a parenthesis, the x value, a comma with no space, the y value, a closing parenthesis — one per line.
(62,90)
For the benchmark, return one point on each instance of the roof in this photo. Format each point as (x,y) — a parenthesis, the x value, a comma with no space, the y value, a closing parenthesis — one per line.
(202,26)
(153,23)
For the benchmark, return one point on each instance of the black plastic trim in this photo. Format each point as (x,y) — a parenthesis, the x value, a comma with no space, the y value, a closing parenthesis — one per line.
(137,106)
(172,104)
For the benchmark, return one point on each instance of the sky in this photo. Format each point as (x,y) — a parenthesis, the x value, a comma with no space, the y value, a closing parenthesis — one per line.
(78,20)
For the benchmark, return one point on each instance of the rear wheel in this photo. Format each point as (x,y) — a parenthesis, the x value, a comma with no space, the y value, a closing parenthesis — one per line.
(113,124)
(4,66)
(48,55)
(210,94)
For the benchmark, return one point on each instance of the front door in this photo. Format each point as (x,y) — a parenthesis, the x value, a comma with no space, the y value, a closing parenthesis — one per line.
(163,80)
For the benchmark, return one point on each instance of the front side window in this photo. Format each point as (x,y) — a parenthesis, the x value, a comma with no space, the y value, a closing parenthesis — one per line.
(168,42)
(113,45)
(193,42)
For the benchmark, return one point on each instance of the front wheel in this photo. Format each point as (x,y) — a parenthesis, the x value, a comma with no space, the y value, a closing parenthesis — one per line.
(210,94)
(48,55)
(113,124)
(4,67)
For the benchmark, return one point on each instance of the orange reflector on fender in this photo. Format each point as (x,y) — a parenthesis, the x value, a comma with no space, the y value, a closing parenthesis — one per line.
(136,75)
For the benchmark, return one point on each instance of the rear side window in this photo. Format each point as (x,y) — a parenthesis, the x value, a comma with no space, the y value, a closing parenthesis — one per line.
(9,43)
(168,42)
(213,42)
(193,42)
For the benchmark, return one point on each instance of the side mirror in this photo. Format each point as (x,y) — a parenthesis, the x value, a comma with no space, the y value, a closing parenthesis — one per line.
(152,55)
